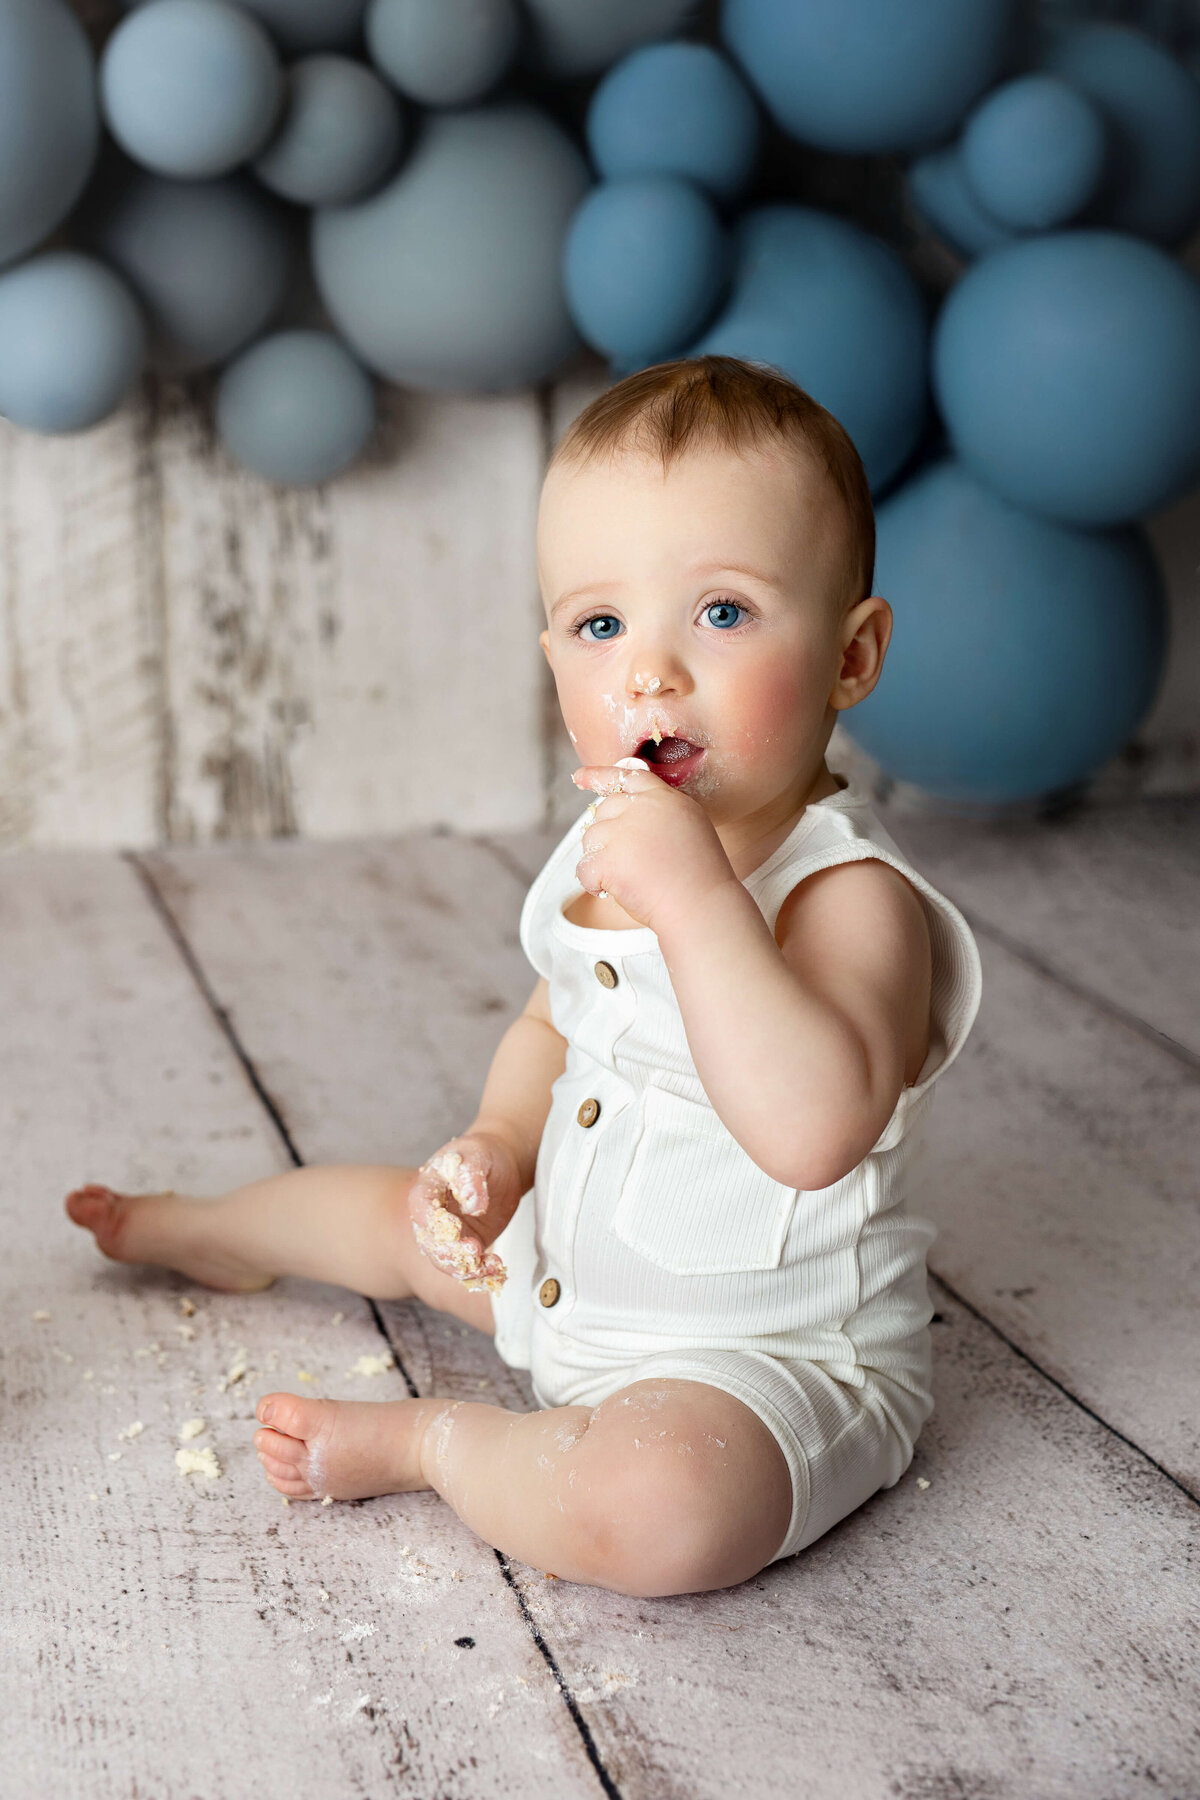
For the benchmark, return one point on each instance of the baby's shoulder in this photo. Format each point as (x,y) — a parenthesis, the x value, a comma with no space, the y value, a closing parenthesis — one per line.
(866,900)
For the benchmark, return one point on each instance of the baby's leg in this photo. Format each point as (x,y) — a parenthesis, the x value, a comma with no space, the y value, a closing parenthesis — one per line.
(667,1487)
(347,1225)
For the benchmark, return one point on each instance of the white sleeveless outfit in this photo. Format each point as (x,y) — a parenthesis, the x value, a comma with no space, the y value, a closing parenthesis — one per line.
(674,1255)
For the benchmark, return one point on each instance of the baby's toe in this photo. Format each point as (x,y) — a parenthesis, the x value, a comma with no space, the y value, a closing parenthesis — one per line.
(296,1417)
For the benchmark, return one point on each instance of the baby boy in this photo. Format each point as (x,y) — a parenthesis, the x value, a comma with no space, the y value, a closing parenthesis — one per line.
(682,1203)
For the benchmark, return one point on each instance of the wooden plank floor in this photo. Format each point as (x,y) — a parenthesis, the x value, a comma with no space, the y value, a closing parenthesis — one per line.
(1022,1626)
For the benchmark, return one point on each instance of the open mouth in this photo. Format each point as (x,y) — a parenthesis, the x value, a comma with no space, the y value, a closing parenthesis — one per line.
(674,760)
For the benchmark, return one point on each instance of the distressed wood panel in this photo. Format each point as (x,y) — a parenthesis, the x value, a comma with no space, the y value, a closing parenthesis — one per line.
(81,727)
(353,659)
(1021,1624)
(1106,897)
(175,1637)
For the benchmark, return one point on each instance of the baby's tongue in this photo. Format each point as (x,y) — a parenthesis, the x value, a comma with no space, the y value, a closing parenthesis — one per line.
(672,749)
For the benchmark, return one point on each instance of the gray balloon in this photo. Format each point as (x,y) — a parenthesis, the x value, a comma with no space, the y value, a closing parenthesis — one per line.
(72,342)
(190,88)
(449,279)
(341,134)
(209,261)
(296,408)
(443,52)
(49,122)
(570,38)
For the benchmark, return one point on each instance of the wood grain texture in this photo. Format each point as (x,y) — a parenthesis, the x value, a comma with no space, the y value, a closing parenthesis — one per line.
(1108,898)
(1020,1625)
(171,1636)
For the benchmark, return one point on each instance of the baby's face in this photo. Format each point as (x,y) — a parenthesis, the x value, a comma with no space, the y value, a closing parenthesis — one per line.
(706,605)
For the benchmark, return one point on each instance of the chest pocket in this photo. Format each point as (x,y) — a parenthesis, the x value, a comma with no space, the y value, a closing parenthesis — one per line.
(693,1202)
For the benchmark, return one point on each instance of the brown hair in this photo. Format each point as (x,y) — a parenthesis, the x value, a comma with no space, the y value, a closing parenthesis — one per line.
(674,406)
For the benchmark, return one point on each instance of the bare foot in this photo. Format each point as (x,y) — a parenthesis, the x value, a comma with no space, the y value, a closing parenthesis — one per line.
(350,1449)
(164,1229)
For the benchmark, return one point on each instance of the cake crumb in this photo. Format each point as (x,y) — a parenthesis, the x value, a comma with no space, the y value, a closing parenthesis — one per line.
(186,1332)
(337,1318)
(237,1370)
(198,1462)
(285,1499)
(303,1375)
(921,1482)
(371,1365)
(187,1307)
(132,1431)
(41,1318)
(114,1456)
(328,1500)
(191,1428)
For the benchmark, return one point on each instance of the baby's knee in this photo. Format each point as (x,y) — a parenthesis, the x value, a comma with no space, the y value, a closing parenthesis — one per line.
(654,1527)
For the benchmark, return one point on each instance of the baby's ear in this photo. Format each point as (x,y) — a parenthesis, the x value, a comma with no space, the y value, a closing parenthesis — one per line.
(544,641)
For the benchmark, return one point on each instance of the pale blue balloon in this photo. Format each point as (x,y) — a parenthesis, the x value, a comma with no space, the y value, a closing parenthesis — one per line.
(443,52)
(1152,105)
(940,192)
(675,109)
(571,38)
(296,408)
(72,342)
(450,277)
(645,265)
(861,76)
(209,261)
(339,137)
(49,120)
(1024,654)
(190,88)
(838,312)
(1034,152)
(1067,368)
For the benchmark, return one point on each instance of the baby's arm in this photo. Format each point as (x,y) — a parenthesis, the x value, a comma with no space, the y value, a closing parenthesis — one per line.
(476,1181)
(801,1039)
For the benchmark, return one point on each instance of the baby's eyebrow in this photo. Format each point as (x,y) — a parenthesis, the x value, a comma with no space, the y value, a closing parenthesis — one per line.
(594,587)
(720,568)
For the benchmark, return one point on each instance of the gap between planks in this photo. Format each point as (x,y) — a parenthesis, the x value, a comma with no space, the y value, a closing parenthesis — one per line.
(192,963)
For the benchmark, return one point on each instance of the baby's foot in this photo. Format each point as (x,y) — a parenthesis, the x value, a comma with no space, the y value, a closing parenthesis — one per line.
(164,1229)
(351,1449)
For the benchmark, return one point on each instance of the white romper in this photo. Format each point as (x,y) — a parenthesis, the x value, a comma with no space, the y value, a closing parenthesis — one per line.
(674,1254)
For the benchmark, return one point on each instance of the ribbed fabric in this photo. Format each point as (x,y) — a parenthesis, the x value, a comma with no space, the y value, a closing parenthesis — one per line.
(674,1251)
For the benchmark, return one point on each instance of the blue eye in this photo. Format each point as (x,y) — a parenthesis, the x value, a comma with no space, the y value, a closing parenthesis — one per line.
(600,619)
(724,609)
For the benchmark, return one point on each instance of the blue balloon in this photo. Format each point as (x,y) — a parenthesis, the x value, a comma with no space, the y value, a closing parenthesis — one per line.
(340,135)
(443,52)
(190,88)
(1067,368)
(49,120)
(1024,654)
(1152,104)
(838,312)
(450,278)
(938,189)
(1034,152)
(645,265)
(861,76)
(72,342)
(296,408)
(209,261)
(675,109)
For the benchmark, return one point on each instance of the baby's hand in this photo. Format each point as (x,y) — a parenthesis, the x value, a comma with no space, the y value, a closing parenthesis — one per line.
(651,847)
(470,1176)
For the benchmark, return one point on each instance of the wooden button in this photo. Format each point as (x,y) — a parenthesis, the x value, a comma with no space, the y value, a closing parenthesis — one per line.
(549,1291)
(606,975)
(589,1112)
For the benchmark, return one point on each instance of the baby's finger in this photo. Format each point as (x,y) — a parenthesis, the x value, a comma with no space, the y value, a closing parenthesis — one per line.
(630,776)
(461,1166)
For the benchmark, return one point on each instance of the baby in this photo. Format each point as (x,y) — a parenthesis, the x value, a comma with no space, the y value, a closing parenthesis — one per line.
(682,1204)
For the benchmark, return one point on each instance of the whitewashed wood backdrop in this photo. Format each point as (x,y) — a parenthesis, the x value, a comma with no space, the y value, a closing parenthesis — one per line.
(191,654)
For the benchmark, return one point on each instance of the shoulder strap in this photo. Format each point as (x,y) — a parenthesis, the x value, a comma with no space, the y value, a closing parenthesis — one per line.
(547,892)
